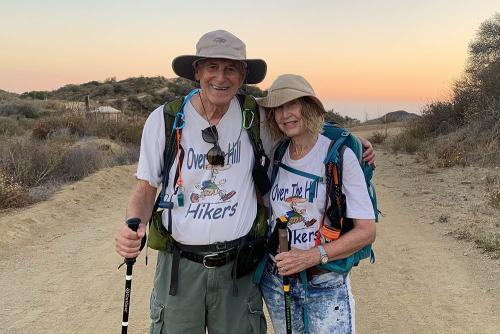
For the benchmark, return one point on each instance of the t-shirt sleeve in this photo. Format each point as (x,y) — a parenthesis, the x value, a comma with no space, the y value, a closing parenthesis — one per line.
(359,205)
(152,145)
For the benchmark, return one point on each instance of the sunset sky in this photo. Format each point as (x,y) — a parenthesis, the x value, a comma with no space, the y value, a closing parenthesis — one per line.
(364,58)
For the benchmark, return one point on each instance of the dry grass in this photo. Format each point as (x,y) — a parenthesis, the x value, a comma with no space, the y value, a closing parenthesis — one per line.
(487,241)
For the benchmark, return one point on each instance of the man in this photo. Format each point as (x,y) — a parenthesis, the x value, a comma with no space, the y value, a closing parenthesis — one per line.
(214,203)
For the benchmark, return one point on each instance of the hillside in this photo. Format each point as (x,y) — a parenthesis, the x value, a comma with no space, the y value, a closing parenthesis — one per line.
(7,95)
(138,95)
(394,116)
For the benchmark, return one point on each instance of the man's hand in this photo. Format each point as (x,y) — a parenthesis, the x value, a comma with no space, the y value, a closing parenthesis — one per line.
(368,152)
(128,242)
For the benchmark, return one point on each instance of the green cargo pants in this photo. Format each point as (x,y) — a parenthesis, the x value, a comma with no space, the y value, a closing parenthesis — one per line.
(204,301)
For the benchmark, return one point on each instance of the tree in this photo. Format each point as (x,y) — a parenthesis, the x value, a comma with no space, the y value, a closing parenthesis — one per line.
(483,68)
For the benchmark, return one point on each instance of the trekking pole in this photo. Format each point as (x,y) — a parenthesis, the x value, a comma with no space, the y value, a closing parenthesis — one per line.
(133,224)
(281,223)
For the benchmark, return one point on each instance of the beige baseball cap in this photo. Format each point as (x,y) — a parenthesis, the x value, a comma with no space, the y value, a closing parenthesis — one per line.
(288,87)
(220,44)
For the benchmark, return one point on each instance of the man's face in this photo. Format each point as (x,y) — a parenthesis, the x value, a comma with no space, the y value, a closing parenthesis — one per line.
(219,79)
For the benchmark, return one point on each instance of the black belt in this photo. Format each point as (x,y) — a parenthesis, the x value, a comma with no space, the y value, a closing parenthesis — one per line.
(211,256)
(212,260)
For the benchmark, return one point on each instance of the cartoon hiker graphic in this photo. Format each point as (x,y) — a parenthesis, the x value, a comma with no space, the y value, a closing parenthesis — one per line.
(209,188)
(297,215)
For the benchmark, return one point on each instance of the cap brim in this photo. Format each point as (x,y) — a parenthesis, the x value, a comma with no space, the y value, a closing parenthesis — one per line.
(183,67)
(280,97)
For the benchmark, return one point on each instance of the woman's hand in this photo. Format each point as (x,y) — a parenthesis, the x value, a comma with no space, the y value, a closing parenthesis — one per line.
(296,260)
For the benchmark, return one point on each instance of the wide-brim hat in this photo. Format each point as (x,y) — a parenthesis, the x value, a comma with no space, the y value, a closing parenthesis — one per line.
(220,44)
(286,88)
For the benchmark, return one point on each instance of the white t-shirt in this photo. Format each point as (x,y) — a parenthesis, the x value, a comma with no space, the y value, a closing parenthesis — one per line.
(290,193)
(219,202)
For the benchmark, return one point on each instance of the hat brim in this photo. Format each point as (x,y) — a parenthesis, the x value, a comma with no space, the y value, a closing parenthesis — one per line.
(279,97)
(183,67)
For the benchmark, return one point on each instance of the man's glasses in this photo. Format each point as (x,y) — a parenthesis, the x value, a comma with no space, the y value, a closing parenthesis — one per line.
(215,155)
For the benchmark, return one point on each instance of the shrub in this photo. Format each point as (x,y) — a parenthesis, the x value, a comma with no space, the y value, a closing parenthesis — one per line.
(490,242)
(14,126)
(407,142)
(16,107)
(124,130)
(43,127)
(448,154)
(495,197)
(12,194)
(79,162)
(31,162)
(377,137)
(127,156)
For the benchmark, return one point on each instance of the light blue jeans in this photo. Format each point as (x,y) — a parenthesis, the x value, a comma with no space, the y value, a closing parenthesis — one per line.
(328,305)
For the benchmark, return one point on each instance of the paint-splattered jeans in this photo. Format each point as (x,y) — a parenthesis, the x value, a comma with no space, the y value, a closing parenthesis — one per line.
(328,306)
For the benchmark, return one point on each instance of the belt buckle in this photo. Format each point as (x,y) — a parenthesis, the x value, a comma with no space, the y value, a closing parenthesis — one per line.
(208,256)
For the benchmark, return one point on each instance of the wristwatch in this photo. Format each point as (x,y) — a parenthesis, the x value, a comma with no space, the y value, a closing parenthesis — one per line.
(322,253)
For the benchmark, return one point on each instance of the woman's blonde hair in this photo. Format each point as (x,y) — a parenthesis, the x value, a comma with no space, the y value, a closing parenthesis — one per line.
(312,115)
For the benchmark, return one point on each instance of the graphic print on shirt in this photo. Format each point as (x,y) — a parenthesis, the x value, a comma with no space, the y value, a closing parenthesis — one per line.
(297,215)
(302,219)
(211,191)
(210,199)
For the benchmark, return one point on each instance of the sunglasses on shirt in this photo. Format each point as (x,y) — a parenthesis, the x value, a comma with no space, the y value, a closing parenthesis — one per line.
(215,155)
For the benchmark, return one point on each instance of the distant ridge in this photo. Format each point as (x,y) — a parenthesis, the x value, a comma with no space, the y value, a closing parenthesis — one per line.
(394,116)
(7,95)
(137,94)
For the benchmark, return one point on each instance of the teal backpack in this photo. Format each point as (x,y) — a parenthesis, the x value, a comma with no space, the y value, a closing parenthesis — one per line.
(336,203)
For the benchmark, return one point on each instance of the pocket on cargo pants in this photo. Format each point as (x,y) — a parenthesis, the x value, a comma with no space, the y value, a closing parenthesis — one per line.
(256,316)
(156,314)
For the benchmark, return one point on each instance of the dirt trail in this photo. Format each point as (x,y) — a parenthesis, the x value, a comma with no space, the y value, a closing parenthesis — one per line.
(58,268)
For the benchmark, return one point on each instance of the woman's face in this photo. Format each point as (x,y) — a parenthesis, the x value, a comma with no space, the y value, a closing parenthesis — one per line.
(289,119)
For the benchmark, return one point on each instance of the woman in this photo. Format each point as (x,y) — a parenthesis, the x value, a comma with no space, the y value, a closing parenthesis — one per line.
(324,304)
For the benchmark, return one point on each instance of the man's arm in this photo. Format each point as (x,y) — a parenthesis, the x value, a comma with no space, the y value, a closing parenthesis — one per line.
(368,152)
(140,205)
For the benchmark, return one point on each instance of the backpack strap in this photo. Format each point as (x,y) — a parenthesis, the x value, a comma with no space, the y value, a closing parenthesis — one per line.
(251,121)
(335,200)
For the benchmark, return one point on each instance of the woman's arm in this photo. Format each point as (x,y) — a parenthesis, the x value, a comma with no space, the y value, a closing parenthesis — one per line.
(296,260)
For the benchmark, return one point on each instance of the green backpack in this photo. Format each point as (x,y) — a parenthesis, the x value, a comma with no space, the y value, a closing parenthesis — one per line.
(173,113)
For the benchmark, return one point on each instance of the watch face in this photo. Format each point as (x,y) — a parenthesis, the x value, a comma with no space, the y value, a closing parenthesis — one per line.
(324,259)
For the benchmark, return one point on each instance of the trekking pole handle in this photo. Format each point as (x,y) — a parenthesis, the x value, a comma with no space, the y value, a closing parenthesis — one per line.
(133,223)
(281,223)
